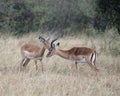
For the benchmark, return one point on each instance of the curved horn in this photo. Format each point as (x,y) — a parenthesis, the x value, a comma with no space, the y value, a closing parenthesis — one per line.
(40,37)
(54,40)
(48,35)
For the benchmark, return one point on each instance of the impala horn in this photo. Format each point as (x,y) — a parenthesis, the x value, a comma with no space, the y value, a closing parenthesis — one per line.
(48,36)
(40,37)
(52,43)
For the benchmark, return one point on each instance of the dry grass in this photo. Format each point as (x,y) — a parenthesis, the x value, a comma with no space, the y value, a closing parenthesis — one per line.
(57,79)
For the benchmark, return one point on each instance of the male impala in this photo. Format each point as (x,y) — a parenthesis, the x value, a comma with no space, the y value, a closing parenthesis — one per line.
(35,52)
(75,54)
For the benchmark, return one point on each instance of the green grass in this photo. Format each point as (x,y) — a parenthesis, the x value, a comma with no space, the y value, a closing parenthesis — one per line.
(57,79)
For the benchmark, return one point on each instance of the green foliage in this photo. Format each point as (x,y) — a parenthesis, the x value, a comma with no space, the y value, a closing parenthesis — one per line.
(23,16)
(110,10)
(17,16)
(115,50)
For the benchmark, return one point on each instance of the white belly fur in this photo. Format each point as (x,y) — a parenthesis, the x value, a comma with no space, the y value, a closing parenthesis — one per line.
(82,60)
(29,55)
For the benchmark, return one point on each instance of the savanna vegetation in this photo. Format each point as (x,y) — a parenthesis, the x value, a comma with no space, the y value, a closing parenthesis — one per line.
(68,16)
(57,79)
(89,23)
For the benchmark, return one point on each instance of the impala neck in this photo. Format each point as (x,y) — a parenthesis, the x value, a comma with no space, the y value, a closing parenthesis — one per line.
(62,53)
(42,50)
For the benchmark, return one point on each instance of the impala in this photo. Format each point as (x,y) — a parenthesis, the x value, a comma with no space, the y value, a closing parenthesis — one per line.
(31,51)
(75,54)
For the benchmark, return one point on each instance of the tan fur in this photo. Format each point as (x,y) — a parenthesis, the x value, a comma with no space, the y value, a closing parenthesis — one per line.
(75,54)
(31,51)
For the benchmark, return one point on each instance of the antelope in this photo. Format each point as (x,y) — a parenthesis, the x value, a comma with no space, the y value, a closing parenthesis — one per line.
(31,51)
(75,54)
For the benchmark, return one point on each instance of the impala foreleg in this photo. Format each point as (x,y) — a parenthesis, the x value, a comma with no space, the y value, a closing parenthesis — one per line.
(76,65)
(42,66)
(72,67)
(36,65)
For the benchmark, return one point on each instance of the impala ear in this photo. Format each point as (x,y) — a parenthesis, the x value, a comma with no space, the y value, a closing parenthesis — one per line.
(58,44)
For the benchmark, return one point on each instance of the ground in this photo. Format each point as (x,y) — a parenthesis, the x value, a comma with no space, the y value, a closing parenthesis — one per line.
(56,80)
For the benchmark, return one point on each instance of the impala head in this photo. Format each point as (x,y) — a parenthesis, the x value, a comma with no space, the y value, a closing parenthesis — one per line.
(49,45)
(52,49)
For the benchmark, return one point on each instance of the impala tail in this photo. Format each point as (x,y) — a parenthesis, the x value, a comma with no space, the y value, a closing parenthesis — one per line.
(93,60)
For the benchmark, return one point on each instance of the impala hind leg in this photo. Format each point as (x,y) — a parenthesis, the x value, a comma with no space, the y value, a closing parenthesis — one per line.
(93,61)
(92,66)
(24,62)
(96,69)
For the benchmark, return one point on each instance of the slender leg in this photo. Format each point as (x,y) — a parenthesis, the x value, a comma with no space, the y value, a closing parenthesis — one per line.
(92,66)
(42,65)
(76,65)
(21,64)
(95,66)
(72,64)
(26,61)
(97,70)
(36,65)
(72,67)
(22,61)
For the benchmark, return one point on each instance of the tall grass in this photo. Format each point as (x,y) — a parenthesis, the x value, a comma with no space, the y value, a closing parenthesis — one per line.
(57,79)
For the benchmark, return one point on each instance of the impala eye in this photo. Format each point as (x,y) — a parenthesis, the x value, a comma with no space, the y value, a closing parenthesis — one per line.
(58,44)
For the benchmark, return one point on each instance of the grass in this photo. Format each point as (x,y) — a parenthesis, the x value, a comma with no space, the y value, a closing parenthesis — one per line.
(57,79)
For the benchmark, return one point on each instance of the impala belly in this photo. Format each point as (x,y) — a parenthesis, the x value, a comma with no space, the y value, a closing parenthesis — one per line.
(29,55)
(32,55)
(81,59)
